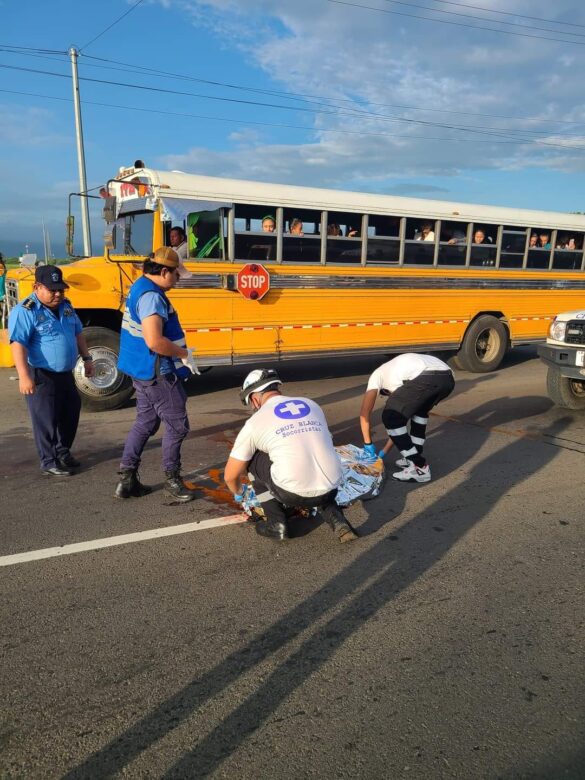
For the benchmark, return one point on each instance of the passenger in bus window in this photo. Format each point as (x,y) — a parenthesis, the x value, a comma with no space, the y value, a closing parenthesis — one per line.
(352,232)
(457,237)
(268,224)
(544,240)
(571,244)
(333,230)
(295,227)
(426,233)
(533,242)
(479,237)
(178,241)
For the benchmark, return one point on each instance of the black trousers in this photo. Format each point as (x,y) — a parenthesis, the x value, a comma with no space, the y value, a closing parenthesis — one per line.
(413,401)
(274,499)
(54,409)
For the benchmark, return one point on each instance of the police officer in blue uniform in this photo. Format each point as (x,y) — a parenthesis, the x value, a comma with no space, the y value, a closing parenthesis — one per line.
(46,340)
(153,352)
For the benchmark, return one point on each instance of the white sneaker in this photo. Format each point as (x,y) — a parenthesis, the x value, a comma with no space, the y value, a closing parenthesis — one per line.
(402,463)
(413,473)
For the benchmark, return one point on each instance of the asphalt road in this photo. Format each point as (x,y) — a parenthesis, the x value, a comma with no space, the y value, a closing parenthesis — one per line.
(447,642)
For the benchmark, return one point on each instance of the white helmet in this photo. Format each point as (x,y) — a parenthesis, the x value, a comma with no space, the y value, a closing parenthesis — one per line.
(258,380)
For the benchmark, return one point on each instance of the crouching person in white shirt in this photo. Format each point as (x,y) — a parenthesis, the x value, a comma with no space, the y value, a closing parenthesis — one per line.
(414,384)
(287,450)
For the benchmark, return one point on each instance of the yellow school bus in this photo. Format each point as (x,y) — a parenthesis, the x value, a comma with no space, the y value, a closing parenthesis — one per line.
(349,273)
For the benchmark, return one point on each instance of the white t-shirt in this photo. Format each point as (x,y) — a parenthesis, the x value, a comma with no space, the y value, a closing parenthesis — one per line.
(183,251)
(294,434)
(392,375)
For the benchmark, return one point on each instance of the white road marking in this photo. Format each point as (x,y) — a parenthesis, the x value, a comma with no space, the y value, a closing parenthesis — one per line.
(114,541)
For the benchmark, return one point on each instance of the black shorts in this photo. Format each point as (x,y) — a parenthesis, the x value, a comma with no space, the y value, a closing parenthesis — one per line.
(260,466)
(419,395)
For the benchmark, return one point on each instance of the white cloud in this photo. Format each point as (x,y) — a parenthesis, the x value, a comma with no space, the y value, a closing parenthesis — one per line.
(400,68)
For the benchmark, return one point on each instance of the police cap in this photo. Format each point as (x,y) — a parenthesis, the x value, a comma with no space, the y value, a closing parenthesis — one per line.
(51,277)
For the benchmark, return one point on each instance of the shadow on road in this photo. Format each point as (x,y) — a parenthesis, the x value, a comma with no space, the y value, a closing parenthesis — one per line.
(340,608)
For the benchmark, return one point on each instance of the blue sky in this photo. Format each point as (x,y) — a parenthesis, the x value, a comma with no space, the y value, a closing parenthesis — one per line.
(374,101)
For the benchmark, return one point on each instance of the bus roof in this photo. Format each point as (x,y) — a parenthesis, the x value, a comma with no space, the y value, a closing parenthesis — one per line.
(176,184)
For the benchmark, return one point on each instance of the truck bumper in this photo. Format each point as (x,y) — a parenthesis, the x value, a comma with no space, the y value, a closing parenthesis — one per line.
(568,360)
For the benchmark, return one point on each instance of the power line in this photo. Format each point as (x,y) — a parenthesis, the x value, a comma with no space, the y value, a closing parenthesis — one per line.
(509,13)
(425,123)
(109,27)
(333,102)
(300,95)
(165,112)
(483,19)
(455,24)
(381,117)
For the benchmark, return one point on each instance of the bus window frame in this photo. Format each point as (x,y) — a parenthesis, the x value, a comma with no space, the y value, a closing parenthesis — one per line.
(526,244)
(364,236)
(324,222)
(470,231)
(437,243)
(553,243)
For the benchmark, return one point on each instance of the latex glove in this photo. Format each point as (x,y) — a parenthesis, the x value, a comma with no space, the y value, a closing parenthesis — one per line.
(370,450)
(381,454)
(190,363)
(239,497)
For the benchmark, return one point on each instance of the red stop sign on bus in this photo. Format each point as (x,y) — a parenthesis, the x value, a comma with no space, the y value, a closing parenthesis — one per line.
(253,281)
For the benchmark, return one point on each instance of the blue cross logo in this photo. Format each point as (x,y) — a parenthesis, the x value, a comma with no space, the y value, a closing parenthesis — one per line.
(291,410)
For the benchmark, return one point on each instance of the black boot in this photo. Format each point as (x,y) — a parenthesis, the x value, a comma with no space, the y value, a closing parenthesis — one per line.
(273,529)
(176,488)
(130,486)
(335,518)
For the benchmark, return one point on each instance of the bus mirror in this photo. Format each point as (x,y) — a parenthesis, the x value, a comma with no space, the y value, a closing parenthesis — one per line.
(70,234)
(110,237)
(109,210)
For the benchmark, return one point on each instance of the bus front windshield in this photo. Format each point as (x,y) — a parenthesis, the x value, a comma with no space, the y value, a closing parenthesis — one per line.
(137,233)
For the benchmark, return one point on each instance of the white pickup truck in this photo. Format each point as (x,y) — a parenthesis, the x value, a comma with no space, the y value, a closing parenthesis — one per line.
(564,355)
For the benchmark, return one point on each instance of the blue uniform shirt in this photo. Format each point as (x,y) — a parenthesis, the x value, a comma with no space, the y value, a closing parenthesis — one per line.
(49,338)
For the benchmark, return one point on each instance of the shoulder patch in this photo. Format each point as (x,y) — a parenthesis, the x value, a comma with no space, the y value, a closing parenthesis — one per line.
(28,303)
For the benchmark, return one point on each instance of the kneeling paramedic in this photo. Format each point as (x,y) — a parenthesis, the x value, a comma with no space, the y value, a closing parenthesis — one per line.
(414,384)
(154,354)
(286,449)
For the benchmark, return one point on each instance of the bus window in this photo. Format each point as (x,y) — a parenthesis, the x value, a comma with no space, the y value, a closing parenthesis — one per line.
(539,248)
(513,247)
(344,244)
(483,246)
(255,232)
(419,245)
(453,243)
(137,230)
(205,234)
(301,241)
(568,251)
(383,240)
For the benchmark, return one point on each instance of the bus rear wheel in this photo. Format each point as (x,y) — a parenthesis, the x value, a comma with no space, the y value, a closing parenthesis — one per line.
(564,391)
(484,345)
(108,388)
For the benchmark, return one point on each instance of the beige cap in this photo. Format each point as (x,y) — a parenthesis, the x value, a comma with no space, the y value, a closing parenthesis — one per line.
(166,256)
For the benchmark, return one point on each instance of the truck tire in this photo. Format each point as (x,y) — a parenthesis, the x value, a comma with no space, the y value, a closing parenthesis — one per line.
(109,388)
(484,345)
(564,391)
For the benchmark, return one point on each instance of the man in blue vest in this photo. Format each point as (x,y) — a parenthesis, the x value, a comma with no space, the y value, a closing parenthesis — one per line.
(154,353)
(46,340)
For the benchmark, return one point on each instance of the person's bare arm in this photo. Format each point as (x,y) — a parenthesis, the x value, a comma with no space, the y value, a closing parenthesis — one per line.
(368,403)
(235,470)
(152,330)
(26,383)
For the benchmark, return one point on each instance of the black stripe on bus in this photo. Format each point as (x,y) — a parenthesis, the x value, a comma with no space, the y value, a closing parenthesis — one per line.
(308,281)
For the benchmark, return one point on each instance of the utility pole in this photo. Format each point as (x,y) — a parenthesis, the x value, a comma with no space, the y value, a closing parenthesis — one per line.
(80,156)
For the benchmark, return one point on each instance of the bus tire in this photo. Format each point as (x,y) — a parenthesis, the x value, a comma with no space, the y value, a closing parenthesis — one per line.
(484,345)
(564,391)
(108,388)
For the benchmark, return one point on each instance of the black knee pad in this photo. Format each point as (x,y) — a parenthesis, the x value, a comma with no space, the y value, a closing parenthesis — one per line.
(392,419)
